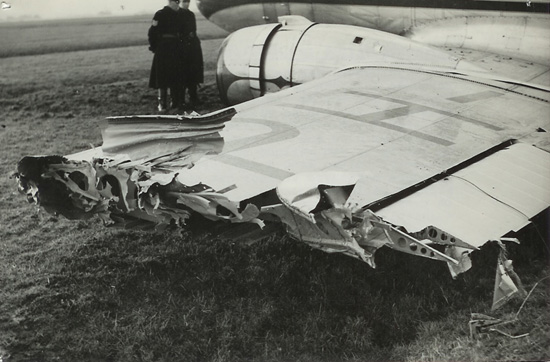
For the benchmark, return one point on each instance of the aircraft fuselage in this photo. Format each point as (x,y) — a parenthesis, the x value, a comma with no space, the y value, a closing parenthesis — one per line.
(508,28)
(395,16)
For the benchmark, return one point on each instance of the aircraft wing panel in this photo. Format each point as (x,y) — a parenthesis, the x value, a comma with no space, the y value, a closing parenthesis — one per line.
(396,127)
(353,159)
(483,201)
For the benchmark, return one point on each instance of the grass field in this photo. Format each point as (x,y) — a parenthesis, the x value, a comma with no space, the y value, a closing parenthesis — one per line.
(76,291)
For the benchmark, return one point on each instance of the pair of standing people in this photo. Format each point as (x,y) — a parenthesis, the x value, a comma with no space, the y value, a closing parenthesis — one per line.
(177,63)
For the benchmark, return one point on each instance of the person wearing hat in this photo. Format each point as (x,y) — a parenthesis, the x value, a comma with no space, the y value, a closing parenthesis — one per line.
(165,42)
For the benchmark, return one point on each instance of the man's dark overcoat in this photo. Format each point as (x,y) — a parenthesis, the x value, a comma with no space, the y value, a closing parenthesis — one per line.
(165,41)
(193,66)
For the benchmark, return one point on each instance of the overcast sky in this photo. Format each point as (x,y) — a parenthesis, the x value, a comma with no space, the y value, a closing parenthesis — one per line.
(55,9)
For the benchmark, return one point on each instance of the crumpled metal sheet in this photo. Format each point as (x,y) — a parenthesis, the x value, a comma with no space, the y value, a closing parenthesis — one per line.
(114,190)
(331,232)
(61,187)
(133,176)
(182,138)
(320,216)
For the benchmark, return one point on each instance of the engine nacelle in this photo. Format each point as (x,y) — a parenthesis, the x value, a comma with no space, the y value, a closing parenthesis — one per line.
(264,59)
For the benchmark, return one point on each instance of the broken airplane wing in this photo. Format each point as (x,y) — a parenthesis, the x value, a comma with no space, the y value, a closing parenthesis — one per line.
(430,163)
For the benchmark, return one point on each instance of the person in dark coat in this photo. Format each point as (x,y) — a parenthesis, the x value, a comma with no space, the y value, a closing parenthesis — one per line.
(192,61)
(165,40)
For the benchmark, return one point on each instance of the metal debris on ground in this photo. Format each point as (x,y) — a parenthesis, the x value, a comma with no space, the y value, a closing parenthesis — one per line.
(481,324)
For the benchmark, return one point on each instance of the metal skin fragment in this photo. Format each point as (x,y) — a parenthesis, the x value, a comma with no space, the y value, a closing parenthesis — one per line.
(128,184)
(62,187)
(120,191)
(504,285)
(327,233)
(334,225)
(357,233)
(462,255)
(182,138)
